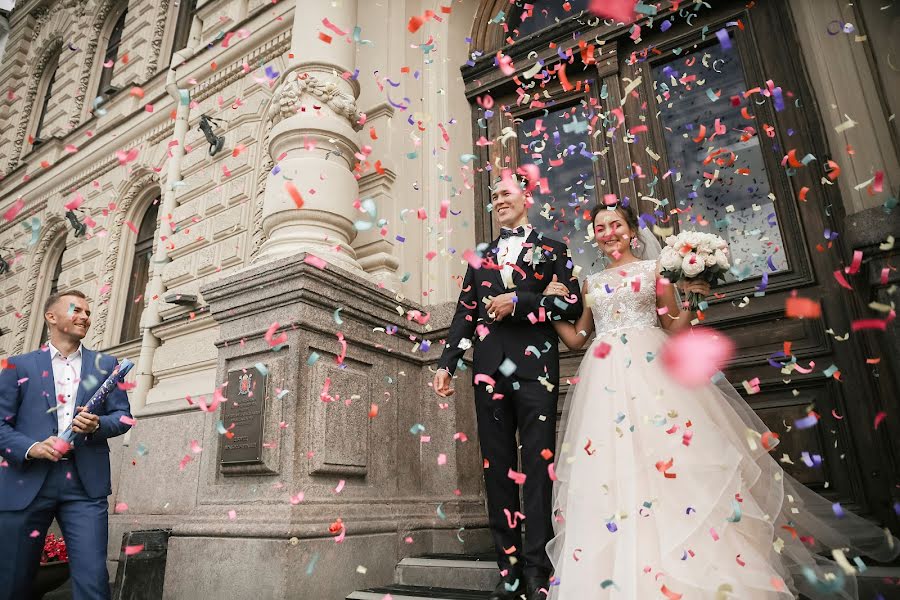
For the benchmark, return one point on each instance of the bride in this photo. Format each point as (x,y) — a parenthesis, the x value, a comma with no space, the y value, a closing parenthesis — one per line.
(664,491)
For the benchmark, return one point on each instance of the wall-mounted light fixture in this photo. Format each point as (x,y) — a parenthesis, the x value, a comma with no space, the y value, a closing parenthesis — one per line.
(215,141)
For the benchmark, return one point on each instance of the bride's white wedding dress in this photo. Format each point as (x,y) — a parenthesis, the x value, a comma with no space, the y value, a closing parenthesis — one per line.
(664,491)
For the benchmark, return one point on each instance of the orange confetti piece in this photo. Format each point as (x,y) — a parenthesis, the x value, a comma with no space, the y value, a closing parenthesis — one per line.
(325,37)
(294,193)
(414,24)
(802,308)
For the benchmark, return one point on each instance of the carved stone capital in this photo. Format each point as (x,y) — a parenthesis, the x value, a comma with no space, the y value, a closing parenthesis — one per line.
(286,100)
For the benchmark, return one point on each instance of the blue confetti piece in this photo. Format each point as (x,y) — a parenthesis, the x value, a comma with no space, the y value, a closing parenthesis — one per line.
(724,39)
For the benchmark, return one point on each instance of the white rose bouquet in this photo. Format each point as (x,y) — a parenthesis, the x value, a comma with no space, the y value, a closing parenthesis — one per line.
(694,255)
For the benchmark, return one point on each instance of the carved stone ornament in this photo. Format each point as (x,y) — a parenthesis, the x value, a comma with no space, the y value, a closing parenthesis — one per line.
(286,100)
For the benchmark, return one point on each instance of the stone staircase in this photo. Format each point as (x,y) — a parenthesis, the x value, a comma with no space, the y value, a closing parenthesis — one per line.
(473,576)
(438,577)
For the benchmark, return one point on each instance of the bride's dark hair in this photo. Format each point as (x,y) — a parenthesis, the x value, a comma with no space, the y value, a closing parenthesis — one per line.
(626,212)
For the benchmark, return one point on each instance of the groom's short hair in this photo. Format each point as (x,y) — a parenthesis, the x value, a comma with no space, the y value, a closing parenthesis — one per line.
(54,298)
(520,179)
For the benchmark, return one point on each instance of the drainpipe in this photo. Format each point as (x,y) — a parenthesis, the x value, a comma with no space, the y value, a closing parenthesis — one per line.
(156,288)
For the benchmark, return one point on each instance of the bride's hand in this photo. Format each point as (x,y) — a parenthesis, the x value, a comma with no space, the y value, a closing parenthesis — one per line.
(698,286)
(555,288)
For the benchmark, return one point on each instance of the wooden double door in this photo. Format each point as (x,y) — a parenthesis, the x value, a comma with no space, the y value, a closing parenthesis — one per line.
(707,123)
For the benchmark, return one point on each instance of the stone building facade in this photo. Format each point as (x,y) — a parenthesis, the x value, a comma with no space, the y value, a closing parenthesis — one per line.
(378,133)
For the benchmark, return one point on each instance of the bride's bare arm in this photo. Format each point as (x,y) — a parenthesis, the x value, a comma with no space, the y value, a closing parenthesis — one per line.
(569,333)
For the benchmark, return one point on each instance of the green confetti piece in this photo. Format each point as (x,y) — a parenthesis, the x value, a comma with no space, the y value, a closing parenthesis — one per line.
(830,371)
(440,512)
(507,367)
(417,429)
(737,514)
(337,316)
(313,357)
(263,370)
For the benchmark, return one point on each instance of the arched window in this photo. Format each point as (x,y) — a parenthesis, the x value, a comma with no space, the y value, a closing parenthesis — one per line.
(139,274)
(54,287)
(50,72)
(106,89)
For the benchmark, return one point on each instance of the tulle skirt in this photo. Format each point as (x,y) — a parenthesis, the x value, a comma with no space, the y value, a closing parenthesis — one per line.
(670,492)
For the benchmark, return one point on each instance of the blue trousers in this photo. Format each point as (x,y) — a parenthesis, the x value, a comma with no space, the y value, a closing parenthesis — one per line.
(83,521)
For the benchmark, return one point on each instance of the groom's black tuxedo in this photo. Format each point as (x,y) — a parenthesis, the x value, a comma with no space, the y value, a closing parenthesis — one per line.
(512,336)
(520,401)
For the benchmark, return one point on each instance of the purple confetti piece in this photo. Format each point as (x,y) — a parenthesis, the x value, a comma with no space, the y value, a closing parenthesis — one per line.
(806,422)
(276,170)
(271,73)
(778,99)
(764,283)
(665,26)
(838,510)
(724,40)
(770,219)
(771,263)
(612,527)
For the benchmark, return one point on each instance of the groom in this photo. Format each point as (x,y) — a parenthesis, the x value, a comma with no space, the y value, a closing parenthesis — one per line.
(516,376)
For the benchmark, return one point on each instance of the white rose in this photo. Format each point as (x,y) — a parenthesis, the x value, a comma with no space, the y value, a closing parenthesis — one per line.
(722,260)
(692,265)
(671,241)
(709,259)
(669,259)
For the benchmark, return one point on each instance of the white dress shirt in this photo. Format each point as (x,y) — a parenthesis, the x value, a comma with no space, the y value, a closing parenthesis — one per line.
(67,377)
(508,251)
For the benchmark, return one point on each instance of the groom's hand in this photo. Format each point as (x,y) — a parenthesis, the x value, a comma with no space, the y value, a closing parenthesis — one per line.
(501,306)
(441,383)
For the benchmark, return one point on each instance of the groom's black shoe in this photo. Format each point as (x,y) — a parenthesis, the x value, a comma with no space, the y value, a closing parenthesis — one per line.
(511,587)
(537,587)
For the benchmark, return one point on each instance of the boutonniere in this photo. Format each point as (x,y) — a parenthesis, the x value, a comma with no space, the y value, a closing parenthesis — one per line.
(534,256)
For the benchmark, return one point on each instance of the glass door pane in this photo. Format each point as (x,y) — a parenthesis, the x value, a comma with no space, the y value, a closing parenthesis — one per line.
(559,142)
(714,156)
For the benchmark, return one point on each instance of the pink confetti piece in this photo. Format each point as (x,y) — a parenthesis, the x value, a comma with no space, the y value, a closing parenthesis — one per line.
(878,184)
(270,336)
(861,324)
(340,486)
(551,471)
(14,210)
(34,534)
(195,447)
(442,459)
(232,514)
(126,420)
(712,532)
(297,498)
(126,157)
(482,378)
(879,418)
(460,436)
(853,269)
(314,261)
(602,350)
(120,508)
(693,356)
(184,461)
(333,27)
(620,10)
(519,478)
(132,550)
(512,519)
(842,280)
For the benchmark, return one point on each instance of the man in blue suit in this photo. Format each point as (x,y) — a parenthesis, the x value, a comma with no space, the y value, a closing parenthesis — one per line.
(41,394)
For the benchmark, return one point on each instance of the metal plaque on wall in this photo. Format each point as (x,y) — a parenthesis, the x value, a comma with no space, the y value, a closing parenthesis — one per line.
(245,409)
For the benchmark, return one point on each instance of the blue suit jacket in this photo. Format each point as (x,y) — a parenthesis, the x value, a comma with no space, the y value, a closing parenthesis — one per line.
(27,392)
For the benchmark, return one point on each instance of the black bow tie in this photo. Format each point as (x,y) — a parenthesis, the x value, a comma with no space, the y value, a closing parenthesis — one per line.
(506,233)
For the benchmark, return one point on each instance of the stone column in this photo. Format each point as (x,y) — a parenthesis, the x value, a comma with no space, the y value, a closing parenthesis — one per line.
(313,141)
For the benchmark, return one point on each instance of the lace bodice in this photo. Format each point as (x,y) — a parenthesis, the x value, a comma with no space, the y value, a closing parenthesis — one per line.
(624,297)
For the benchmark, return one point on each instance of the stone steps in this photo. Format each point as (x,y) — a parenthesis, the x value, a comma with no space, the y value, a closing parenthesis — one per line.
(438,577)
(473,572)
(417,592)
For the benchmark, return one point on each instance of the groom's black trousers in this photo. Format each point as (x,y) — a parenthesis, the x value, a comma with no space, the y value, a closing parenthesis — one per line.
(532,410)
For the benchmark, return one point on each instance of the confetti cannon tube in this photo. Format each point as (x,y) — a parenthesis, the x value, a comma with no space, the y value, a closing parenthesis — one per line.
(99,397)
